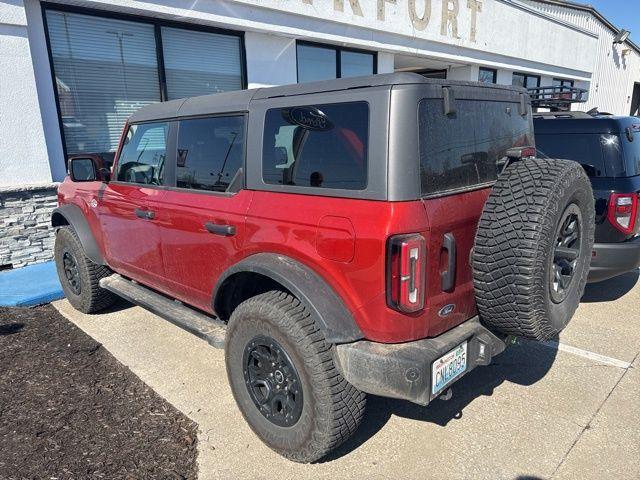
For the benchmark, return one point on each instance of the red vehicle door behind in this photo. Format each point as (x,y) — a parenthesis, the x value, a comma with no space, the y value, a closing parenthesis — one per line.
(201,236)
(201,223)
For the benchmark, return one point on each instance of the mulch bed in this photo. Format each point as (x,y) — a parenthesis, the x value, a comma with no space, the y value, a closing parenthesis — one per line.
(70,410)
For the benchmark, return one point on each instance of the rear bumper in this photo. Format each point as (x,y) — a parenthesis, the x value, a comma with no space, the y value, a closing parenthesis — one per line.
(612,259)
(403,370)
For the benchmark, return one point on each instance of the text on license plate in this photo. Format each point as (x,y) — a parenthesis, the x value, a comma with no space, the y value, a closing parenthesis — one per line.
(448,367)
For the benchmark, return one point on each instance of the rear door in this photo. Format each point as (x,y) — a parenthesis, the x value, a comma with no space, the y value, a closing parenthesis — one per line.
(458,163)
(201,220)
(132,239)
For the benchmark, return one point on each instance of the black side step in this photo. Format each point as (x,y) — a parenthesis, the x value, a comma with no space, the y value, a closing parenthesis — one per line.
(210,329)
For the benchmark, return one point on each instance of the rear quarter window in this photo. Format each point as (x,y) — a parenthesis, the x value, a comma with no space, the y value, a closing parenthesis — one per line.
(460,151)
(320,146)
(632,154)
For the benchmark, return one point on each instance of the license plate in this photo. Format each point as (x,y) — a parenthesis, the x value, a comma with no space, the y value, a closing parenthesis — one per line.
(448,367)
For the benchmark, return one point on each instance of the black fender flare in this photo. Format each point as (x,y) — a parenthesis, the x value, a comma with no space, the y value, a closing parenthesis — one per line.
(76,219)
(335,320)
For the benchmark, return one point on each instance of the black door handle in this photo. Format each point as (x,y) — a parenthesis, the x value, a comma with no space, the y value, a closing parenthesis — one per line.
(448,277)
(224,230)
(145,214)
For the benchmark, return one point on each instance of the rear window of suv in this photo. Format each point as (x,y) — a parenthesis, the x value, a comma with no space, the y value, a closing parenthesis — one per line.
(601,153)
(460,151)
(321,146)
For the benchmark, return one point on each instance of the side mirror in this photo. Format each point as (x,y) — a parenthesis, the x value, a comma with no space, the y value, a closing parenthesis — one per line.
(82,169)
(88,167)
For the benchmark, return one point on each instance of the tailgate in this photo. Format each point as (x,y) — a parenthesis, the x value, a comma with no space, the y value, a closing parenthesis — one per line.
(453,220)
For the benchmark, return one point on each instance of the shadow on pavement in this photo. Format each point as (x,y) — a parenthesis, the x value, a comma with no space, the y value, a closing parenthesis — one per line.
(11,328)
(523,364)
(612,289)
(121,304)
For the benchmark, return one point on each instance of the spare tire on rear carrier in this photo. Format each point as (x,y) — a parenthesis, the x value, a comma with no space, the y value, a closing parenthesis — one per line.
(533,248)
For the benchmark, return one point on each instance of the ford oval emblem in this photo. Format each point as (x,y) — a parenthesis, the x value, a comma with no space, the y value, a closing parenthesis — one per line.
(447,310)
(309,118)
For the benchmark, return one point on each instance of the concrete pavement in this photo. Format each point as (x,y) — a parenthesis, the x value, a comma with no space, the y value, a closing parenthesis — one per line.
(537,412)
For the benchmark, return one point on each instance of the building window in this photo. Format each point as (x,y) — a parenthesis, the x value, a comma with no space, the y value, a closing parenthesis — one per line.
(430,73)
(326,62)
(108,66)
(525,80)
(488,75)
(558,82)
(197,63)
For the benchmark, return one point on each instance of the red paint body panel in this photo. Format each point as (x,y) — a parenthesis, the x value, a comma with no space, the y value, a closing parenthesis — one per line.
(194,259)
(342,240)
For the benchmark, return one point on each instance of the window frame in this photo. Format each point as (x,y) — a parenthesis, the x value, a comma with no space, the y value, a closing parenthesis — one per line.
(526,77)
(494,75)
(170,156)
(563,81)
(157,24)
(305,187)
(338,50)
(378,142)
(243,163)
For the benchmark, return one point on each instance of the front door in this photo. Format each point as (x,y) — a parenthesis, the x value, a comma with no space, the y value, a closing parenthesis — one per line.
(130,227)
(202,221)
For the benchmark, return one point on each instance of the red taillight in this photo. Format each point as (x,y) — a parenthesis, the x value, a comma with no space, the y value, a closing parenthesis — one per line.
(406,264)
(623,212)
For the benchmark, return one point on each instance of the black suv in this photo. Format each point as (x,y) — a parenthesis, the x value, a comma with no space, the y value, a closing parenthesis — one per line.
(608,148)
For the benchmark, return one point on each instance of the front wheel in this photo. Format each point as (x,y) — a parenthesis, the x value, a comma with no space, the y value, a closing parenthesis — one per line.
(284,380)
(78,275)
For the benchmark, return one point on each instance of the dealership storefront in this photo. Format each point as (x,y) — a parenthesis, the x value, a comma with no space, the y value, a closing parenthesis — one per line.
(73,72)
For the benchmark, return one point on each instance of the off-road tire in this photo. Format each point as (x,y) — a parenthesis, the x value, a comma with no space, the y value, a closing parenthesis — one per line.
(91,297)
(332,408)
(513,255)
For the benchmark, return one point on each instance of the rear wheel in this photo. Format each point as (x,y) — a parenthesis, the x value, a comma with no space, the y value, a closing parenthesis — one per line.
(533,248)
(284,380)
(78,275)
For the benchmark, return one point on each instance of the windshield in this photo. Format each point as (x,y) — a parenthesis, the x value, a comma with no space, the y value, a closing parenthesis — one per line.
(460,151)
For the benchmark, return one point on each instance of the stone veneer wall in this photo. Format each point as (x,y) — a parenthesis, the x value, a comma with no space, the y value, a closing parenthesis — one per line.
(26,235)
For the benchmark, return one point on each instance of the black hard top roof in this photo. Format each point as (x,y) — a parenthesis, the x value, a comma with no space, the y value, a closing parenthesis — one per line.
(599,125)
(238,101)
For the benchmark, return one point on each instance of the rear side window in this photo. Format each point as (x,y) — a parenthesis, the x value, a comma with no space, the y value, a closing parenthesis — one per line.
(321,146)
(632,151)
(143,155)
(460,151)
(210,152)
(601,154)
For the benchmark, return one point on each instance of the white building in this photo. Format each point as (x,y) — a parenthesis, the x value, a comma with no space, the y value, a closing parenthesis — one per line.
(71,72)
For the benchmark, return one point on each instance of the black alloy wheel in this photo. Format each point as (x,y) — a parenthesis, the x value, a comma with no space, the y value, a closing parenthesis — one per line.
(566,253)
(71,272)
(272,381)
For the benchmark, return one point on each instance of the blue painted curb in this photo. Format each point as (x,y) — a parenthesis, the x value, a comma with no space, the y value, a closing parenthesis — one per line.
(29,286)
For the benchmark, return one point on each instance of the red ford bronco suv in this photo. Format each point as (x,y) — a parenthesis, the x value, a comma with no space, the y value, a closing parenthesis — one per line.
(379,235)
